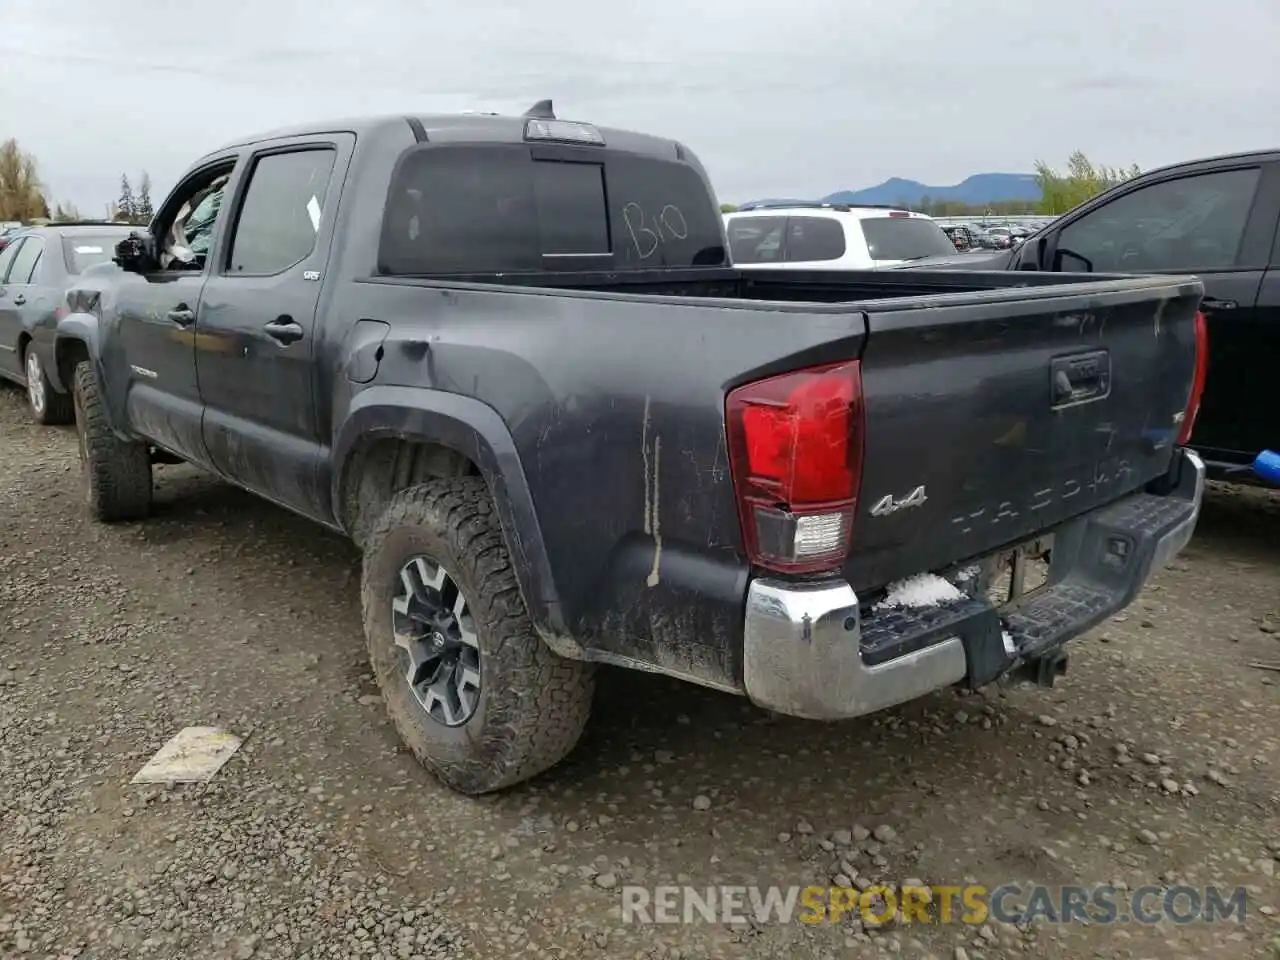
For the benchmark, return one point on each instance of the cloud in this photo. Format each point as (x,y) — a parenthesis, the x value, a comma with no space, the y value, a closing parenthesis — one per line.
(797,99)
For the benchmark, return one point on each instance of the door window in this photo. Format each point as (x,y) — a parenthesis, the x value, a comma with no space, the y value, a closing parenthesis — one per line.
(281,214)
(187,238)
(25,263)
(1192,223)
(6,258)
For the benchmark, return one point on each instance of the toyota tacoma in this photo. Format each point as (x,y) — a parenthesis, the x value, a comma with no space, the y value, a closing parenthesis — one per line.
(509,357)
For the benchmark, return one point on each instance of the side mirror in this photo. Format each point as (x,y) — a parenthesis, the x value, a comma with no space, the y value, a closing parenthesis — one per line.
(1064,260)
(135,253)
(1030,256)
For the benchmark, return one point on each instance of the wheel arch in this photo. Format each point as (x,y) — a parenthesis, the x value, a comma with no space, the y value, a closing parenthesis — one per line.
(394,437)
(74,341)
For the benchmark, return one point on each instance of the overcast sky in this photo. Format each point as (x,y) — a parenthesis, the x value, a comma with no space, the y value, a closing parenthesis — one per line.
(797,98)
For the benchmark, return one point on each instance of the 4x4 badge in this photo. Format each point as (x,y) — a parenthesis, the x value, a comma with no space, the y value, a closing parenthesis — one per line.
(888,504)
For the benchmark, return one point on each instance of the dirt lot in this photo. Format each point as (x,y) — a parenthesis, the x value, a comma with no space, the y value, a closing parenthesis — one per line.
(322,838)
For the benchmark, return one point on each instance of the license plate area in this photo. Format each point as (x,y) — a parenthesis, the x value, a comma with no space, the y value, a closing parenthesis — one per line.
(1019,573)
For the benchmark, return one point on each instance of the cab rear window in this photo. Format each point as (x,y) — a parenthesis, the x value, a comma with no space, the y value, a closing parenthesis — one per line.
(512,208)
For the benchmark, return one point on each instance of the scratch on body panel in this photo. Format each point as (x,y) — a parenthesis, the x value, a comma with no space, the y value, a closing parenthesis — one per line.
(652,519)
(644,456)
(654,576)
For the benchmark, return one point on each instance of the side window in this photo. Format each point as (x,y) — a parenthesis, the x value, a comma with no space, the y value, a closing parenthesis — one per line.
(812,239)
(6,258)
(1192,223)
(280,216)
(186,233)
(756,239)
(24,264)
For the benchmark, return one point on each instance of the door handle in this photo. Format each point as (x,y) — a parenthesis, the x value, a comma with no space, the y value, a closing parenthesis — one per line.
(182,315)
(1216,304)
(284,329)
(19,299)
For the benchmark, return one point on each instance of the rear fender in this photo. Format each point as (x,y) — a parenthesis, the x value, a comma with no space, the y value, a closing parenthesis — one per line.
(475,431)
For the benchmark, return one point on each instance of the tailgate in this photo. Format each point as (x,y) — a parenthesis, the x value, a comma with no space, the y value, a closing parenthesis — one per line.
(992,417)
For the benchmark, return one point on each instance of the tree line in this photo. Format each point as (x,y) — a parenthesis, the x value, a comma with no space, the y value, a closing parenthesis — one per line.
(1060,191)
(24,198)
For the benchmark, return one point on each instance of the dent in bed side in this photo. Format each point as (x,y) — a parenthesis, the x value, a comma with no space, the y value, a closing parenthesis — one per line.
(475,431)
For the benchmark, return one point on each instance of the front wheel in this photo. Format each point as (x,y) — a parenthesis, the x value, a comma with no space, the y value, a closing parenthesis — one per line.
(117,473)
(48,407)
(474,692)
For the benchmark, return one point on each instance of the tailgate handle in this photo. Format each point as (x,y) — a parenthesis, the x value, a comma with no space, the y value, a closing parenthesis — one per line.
(1080,378)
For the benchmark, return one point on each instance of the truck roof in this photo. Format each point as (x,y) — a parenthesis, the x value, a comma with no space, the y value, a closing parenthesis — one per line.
(1246,155)
(465,127)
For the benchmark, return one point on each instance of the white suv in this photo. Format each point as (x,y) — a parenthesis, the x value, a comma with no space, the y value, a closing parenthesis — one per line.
(830,236)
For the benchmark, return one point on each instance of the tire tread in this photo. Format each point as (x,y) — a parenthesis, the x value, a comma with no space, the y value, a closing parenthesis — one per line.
(537,713)
(118,472)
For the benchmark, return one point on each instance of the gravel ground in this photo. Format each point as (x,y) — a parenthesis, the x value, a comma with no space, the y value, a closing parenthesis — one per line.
(1154,762)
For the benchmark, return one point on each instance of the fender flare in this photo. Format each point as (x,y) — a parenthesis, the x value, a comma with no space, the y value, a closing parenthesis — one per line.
(75,327)
(476,431)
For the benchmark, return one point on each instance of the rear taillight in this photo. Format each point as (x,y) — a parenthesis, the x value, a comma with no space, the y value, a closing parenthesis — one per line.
(795,449)
(1197,381)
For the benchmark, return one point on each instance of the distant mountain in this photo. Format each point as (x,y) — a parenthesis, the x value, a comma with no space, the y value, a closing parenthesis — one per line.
(977,189)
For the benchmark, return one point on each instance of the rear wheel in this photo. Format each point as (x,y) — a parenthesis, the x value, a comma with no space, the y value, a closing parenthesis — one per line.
(474,692)
(47,405)
(117,473)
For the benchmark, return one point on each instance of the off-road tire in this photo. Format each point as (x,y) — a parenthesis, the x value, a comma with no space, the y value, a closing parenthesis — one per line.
(59,408)
(533,704)
(117,473)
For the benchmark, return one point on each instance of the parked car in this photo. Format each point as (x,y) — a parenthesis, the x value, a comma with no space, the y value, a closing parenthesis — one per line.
(959,237)
(1219,219)
(981,239)
(36,267)
(1001,236)
(6,234)
(509,358)
(830,236)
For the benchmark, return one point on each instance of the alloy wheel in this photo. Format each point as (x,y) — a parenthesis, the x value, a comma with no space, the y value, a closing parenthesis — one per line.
(435,634)
(35,382)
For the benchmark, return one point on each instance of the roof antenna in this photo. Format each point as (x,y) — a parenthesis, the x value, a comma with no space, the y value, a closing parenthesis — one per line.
(541,111)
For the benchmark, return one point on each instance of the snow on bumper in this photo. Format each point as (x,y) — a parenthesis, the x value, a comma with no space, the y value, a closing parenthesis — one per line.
(808,650)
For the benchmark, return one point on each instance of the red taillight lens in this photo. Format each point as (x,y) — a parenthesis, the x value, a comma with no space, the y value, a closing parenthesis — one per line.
(795,448)
(1197,380)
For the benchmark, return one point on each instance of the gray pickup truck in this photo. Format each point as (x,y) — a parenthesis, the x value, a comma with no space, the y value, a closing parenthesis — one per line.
(509,358)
